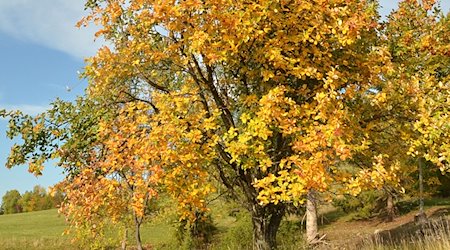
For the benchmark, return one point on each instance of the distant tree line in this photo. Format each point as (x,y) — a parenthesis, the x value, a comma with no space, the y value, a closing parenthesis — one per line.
(36,200)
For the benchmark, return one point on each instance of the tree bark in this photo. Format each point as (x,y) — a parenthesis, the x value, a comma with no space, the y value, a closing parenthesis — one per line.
(137,225)
(390,207)
(421,217)
(311,218)
(266,221)
(421,186)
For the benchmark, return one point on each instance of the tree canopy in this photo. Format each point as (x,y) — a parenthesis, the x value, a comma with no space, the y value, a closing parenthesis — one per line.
(266,99)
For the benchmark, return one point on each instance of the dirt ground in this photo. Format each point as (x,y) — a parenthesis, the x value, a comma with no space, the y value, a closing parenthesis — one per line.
(351,234)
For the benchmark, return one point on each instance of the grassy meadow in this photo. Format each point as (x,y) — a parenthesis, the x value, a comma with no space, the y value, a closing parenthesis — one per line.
(43,230)
(34,230)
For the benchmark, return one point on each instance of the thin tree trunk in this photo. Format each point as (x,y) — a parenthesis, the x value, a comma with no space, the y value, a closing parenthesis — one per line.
(421,186)
(266,221)
(390,207)
(311,218)
(421,217)
(124,241)
(137,225)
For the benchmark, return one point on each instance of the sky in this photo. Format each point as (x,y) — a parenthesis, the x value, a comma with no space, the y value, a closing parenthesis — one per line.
(41,52)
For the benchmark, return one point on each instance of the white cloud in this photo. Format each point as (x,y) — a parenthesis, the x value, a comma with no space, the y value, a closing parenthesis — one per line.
(50,23)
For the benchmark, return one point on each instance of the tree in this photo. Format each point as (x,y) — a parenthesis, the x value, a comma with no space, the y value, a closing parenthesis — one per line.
(419,44)
(420,49)
(105,152)
(36,200)
(10,202)
(67,131)
(256,86)
(30,201)
(252,94)
(57,198)
(411,103)
(265,98)
(130,164)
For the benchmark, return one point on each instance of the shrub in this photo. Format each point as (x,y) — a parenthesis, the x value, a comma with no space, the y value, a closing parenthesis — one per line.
(239,235)
(197,234)
(366,205)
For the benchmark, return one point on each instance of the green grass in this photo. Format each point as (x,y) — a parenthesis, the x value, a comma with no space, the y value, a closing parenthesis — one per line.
(34,230)
(43,230)
(159,234)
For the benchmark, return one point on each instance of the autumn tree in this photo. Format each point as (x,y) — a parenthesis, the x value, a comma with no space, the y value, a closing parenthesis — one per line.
(254,89)
(269,79)
(67,131)
(265,98)
(36,200)
(409,105)
(131,165)
(417,35)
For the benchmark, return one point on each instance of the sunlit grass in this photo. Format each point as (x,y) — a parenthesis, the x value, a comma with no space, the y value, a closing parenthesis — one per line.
(43,230)
(34,230)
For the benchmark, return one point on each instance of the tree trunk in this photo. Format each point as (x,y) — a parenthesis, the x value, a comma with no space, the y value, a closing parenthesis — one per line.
(266,221)
(137,225)
(311,218)
(124,241)
(390,208)
(421,186)
(421,217)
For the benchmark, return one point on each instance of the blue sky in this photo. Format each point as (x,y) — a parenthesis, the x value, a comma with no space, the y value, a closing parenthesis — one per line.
(41,52)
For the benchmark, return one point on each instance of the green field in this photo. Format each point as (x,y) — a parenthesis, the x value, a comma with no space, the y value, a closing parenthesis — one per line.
(43,230)
(34,230)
